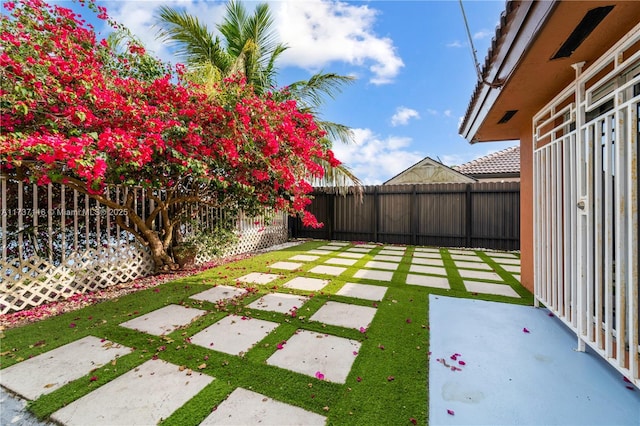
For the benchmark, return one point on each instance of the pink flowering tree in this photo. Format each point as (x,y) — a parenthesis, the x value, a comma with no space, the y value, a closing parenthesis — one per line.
(74,111)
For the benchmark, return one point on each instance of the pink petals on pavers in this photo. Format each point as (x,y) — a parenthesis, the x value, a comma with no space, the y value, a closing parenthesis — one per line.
(451,412)
(525,330)
(453,357)
(319,375)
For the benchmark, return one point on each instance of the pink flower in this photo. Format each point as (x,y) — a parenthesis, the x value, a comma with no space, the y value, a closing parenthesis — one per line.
(319,375)
(355,353)
(525,330)
(451,412)
(281,344)
(363,330)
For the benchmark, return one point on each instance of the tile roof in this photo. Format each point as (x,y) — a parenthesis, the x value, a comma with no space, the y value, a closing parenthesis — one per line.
(506,161)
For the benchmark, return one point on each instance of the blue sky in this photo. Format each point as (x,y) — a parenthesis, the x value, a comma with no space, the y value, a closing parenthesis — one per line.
(414,69)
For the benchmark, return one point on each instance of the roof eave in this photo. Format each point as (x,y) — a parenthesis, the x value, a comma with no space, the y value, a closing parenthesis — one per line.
(524,21)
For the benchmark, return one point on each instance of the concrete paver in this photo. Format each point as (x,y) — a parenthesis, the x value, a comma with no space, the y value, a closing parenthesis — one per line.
(481,275)
(218,293)
(258,278)
(428,281)
(387,258)
(341,261)
(427,250)
(304,258)
(164,320)
(472,265)
(390,266)
(339,243)
(142,396)
(320,252)
(430,255)
(327,270)
(234,334)
(506,260)
(363,291)
(278,302)
(304,283)
(351,255)
(359,249)
(247,408)
(51,370)
(390,252)
(289,266)
(515,269)
(489,288)
(329,247)
(308,352)
(427,261)
(345,315)
(423,269)
(370,274)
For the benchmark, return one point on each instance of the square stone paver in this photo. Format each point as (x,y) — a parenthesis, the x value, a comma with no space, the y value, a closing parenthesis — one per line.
(328,247)
(51,370)
(427,250)
(164,320)
(345,315)
(373,275)
(517,277)
(341,261)
(367,245)
(218,293)
(304,283)
(514,269)
(362,291)
(501,254)
(427,281)
(422,269)
(427,261)
(387,258)
(245,407)
(142,396)
(320,252)
(258,278)
(481,275)
(381,265)
(289,266)
(278,302)
(234,335)
(308,352)
(339,243)
(304,258)
(395,248)
(427,255)
(466,258)
(359,249)
(473,265)
(327,270)
(351,255)
(506,260)
(390,252)
(488,288)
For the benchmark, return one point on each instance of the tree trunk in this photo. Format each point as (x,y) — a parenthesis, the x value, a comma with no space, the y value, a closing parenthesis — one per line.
(161,258)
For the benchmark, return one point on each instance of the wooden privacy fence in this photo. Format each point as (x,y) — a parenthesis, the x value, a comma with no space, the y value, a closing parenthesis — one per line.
(57,242)
(484,215)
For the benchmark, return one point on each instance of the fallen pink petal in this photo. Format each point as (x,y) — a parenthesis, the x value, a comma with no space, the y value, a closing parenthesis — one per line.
(319,375)
(390,379)
(451,412)
(462,363)
(363,330)
(525,330)
(358,379)
(93,378)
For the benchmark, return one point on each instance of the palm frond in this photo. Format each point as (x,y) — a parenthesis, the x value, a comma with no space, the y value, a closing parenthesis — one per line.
(312,93)
(340,177)
(337,131)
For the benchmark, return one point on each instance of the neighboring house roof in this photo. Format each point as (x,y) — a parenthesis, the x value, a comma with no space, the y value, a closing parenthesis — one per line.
(428,170)
(501,163)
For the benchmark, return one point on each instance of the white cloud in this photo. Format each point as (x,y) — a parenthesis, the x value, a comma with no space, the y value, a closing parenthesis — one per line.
(375,159)
(403,115)
(432,111)
(447,113)
(482,34)
(455,43)
(323,31)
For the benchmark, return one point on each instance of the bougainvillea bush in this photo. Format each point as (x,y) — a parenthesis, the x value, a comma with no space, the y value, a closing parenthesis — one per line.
(76,111)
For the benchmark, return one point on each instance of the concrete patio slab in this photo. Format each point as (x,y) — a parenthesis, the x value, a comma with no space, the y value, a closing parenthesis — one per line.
(304,283)
(389,266)
(341,261)
(320,252)
(339,243)
(427,261)
(351,255)
(427,255)
(128,399)
(422,269)
(473,265)
(367,245)
(517,378)
(427,281)
(359,249)
(466,257)
(329,248)
(278,302)
(481,275)
(387,258)
(308,352)
(490,288)
(503,254)
(218,293)
(462,252)
(288,266)
(506,261)
(516,276)
(374,275)
(245,407)
(345,315)
(514,269)
(164,320)
(233,334)
(258,278)
(362,291)
(304,258)
(51,370)
(327,270)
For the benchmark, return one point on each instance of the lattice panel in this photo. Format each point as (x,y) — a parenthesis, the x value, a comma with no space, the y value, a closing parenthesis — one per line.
(36,281)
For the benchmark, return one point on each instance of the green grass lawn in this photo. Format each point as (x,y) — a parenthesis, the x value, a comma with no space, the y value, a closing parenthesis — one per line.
(387,385)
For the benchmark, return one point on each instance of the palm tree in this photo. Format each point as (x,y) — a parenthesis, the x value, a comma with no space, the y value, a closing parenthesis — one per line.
(250,47)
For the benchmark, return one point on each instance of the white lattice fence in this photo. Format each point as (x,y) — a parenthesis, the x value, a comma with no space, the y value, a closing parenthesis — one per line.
(57,243)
